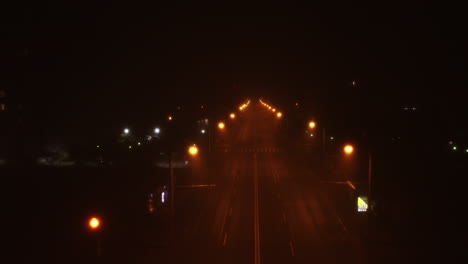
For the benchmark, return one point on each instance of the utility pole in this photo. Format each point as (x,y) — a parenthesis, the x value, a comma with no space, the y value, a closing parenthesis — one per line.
(172,180)
(369,183)
(324,140)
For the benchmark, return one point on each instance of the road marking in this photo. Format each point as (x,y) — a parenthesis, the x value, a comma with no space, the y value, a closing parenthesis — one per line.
(196,185)
(224,222)
(256,215)
(275,175)
(291,247)
(225,239)
(342,225)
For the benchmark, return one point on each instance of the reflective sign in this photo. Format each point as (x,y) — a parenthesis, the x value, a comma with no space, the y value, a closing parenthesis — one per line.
(362,204)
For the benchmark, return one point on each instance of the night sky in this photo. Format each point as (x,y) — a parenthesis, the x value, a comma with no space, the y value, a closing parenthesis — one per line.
(101,64)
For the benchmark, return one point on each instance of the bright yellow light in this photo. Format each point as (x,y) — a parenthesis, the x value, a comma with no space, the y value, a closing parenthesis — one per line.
(348,149)
(311,124)
(169,118)
(221,125)
(94,223)
(193,150)
(274,110)
(269,107)
(362,204)
(279,114)
(241,108)
(232,115)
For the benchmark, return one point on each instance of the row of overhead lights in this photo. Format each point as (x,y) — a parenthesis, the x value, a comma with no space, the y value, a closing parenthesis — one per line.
(272,109)
(222,125)
(243,106)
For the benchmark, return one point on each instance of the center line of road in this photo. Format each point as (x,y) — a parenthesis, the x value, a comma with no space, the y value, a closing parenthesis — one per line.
(256,215)
(291,247)
(225,239)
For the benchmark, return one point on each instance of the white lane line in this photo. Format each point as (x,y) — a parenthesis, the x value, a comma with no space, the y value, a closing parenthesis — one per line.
(291,247)
(225,239)
(256,215)
(342,225)
(224,222)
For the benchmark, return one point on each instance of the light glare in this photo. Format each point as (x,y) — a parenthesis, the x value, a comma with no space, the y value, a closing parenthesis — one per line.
(348,149)
(94,223)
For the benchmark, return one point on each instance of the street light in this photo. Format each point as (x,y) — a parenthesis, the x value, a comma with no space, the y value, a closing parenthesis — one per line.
(126,131)
(311,124)
(193,150)
(221,125)
(157,130)
(279,114)
(232,116)
(169,118)
(94,223)
(348,149)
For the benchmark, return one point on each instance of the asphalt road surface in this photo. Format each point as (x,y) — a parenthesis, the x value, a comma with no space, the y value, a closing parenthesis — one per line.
(268,205)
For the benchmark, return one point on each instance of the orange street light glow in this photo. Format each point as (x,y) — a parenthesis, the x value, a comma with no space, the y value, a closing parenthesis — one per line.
(169,118)
(311,124)
(193,150)
(348,149)
(274,110)
(232,115)
(221,125)
(279,115)
(94,223)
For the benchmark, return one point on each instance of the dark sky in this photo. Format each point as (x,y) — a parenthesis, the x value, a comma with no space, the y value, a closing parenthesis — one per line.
(121,60)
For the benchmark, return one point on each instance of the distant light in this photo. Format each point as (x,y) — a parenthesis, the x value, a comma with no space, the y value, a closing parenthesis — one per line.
(178,108)
(203,131)
(466,150)
(274,110)
(157,130)
(169,118)
(279,114)
(348,149)
(354,83)
(241,108)
(97,146)
(232,116)
(450,142)
(406,108)
(454,147)
(331,138)
(311,134)
(163,197)
(311,124)
(126,131)
(193,150)
(94,223)
(201,107)
(297,104)
(414,108)
(129,147)
(138,143)
(221,125)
